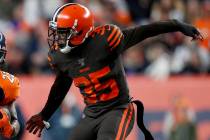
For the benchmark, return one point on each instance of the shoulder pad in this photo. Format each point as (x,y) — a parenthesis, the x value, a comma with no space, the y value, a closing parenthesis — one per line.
(11,86)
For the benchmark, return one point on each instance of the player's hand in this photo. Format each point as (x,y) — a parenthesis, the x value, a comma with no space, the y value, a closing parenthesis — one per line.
(190,30)
(36,124)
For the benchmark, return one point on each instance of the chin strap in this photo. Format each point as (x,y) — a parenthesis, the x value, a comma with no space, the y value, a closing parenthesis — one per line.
(66,49)
(140,120)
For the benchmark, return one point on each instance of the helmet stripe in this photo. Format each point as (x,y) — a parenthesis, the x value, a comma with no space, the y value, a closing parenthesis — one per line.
(60,9)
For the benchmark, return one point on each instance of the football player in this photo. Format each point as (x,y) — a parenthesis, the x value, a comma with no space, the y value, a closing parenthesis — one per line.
(90,57)
(9,91)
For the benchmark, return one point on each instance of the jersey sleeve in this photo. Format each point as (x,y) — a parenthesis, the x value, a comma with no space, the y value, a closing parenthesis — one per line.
(114,38)
(11,87)
(136,34)
(118,40)
(61,85)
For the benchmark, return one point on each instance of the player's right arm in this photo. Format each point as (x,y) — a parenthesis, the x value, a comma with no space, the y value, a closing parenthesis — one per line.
(58,92)
(9,125)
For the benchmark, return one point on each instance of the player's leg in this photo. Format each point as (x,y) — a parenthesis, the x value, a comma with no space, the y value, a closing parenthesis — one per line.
(84,130)
(117,124)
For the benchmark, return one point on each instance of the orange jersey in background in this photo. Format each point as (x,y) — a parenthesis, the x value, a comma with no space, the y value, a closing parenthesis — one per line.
(11,87)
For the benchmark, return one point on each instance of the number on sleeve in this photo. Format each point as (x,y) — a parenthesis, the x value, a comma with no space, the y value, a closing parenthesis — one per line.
(7,76)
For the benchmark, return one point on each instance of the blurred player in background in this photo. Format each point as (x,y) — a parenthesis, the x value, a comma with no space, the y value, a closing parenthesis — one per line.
(9,92)
(91,58)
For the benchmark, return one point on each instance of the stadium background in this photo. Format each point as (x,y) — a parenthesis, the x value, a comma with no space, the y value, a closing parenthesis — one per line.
(159,70)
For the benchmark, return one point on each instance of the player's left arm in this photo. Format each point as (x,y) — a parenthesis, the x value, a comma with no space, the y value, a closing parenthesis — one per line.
(9,125)
(134,35)
(14,119)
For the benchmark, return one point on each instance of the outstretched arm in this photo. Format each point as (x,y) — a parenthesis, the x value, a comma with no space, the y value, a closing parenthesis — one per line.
(57,93)
(136,34)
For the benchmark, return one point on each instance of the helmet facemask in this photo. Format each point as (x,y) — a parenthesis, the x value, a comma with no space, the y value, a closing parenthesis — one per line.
(59,38)
(2,55)
(3,50)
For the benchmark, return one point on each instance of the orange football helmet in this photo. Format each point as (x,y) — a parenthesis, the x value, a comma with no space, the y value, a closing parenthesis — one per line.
(70,26)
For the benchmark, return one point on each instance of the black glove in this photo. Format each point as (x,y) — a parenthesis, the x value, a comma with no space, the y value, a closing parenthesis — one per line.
(189,30)
(36,124)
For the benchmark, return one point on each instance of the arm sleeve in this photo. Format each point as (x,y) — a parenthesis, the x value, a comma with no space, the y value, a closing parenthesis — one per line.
(134,35)
(14,120)
(58,92)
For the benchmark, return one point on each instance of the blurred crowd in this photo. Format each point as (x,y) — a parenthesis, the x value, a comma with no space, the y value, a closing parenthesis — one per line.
(25,25)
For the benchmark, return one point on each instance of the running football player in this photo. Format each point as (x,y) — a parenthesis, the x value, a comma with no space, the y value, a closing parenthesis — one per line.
(9,92)
(90,57)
